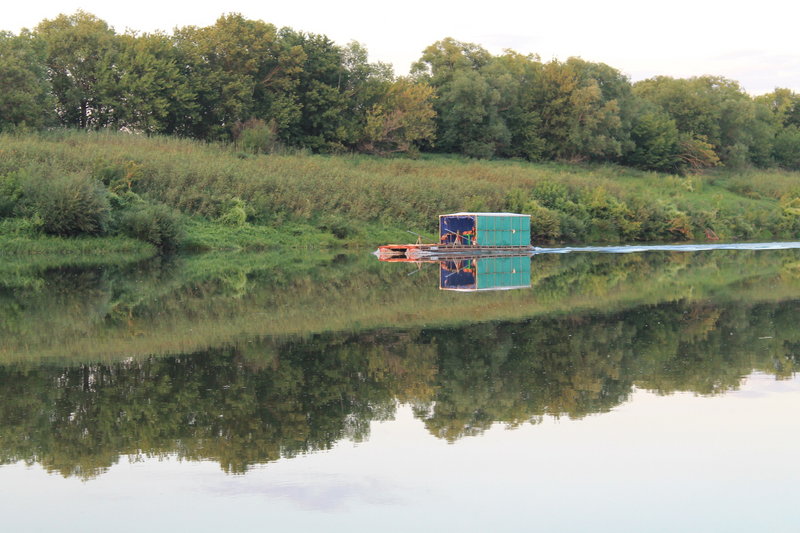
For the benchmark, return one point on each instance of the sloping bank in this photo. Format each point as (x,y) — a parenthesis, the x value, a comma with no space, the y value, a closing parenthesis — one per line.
(180,194)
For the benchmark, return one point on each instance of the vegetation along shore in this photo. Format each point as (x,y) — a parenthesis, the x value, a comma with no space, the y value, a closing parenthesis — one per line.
(244,136)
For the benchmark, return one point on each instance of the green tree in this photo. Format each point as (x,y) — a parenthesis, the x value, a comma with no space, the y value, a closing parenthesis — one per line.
(364,86)
(515,75)
(784,104)
(717,111)
(80,48)
(656,139)
(696,153)
(760,133)
(686,101)
(577,124)
(321,122)
(238,69)
(144,90)
(616,88)
(784,107)
(469,119)
(468,101)
(787,147)
(441,60)
(403,118)
(24,89)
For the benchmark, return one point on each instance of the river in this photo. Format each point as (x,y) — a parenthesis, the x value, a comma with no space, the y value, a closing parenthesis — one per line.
(654,390)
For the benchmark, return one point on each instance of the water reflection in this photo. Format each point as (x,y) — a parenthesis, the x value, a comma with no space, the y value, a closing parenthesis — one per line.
(247,359)
(262,399)
(195,303)
(469,274)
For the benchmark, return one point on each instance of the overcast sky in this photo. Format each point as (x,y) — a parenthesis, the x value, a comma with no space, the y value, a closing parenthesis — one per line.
(754,43)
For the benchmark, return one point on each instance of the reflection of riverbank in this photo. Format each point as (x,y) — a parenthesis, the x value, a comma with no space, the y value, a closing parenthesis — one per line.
(195,303)
(260,400)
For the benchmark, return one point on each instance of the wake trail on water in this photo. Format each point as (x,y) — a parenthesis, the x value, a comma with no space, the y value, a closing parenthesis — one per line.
(669,248)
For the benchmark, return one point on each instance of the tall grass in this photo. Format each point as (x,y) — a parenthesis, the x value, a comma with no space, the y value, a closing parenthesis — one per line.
(350,195)
(76,251)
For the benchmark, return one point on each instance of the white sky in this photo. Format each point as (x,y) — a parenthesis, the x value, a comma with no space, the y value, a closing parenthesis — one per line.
(754,43)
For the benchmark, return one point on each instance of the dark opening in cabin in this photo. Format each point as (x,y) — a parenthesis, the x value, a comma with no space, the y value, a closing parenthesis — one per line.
(457,229)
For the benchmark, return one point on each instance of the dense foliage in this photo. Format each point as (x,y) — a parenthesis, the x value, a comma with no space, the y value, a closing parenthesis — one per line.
(248,82)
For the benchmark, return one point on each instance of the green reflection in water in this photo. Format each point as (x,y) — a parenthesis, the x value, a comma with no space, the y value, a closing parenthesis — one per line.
(190,304)
(248,362)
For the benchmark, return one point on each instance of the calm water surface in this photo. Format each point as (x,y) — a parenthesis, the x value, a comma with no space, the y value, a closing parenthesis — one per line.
(639,392)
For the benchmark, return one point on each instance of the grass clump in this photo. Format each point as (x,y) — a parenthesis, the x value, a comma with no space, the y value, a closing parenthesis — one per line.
(157,224)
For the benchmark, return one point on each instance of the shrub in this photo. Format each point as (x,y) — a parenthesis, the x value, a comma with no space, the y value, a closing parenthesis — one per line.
(124,200)
(652,219)
(572,228)
(118,176)
(256,136)
(339,226)
(516,200)
(10,194)
(545,223)
(478,149)
(157,224)
(69,205)
(236,216)
(680,226)
(21,227)
(552,195)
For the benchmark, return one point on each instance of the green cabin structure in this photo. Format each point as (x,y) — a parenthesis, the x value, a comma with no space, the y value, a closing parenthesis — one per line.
(485,229)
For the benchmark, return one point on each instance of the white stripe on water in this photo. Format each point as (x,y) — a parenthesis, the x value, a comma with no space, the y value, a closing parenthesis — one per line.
(670,248)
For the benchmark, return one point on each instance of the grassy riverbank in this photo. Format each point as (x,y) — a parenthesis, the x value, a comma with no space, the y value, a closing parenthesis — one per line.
(180,194)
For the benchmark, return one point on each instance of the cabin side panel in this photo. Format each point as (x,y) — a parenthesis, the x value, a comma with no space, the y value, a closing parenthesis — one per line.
(498,230)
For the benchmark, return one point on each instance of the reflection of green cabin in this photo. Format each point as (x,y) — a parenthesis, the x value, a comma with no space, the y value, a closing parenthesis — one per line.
(485,273)
(485,229)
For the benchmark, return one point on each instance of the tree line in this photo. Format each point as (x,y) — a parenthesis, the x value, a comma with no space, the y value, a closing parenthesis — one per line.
(248,82)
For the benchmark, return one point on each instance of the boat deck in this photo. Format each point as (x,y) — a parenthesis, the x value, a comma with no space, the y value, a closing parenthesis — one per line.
(394,252)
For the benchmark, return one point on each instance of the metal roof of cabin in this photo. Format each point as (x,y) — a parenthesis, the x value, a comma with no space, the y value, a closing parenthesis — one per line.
(484,214)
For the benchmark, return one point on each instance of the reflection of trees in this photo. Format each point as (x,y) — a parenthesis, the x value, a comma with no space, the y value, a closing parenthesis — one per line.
(213,405)
(258,401)
(521,372)
(581,365)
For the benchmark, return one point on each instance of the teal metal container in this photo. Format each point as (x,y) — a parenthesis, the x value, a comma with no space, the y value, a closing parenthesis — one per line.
(485,229)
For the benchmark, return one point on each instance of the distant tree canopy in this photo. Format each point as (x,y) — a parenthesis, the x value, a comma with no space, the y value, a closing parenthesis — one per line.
(304,91)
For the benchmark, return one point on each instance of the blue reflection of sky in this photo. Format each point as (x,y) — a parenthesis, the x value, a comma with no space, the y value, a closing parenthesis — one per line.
(656,463)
